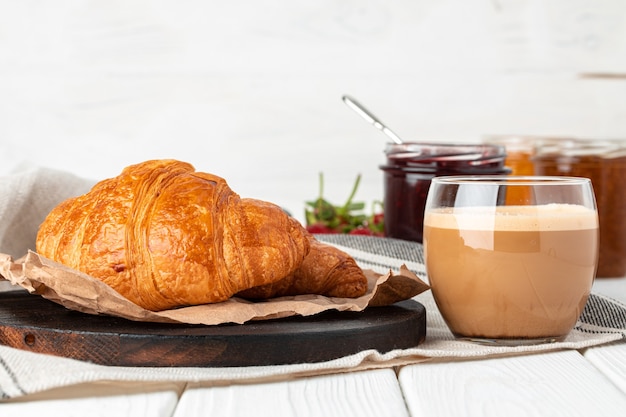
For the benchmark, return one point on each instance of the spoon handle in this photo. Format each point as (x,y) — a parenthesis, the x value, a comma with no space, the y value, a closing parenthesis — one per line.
(364,113)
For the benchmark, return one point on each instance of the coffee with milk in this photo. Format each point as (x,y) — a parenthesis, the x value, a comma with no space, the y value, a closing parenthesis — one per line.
(519,272)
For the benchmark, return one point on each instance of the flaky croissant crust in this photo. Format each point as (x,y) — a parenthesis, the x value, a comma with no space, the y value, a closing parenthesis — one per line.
(164,235)
(326,270)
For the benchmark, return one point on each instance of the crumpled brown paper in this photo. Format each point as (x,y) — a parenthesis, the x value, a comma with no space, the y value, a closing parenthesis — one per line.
(81,292)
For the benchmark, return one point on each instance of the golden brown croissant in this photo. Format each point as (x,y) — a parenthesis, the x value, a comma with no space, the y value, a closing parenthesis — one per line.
(163,236)
(326,270)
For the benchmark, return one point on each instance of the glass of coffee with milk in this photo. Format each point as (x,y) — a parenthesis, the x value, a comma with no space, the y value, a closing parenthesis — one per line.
(511,271)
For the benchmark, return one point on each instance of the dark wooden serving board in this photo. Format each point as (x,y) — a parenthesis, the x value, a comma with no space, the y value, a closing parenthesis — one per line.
(32,323)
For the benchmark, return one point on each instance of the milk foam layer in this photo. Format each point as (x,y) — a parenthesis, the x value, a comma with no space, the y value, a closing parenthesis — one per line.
(514,218)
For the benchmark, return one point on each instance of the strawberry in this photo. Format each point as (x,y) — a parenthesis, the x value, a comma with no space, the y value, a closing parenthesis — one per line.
(319,228)
(361,230)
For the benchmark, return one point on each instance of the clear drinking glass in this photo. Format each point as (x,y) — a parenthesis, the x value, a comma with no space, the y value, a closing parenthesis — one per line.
(511,271)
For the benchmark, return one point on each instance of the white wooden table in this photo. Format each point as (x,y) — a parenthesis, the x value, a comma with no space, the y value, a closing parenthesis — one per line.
(564,383)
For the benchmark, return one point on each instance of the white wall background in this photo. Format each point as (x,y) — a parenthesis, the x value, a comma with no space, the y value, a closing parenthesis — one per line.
(251,90)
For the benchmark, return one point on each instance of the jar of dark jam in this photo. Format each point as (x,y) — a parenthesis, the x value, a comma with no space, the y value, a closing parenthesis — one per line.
(411,166)
(604,162)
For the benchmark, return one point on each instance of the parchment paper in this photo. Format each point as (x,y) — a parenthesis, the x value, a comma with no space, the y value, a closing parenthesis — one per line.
(81,292)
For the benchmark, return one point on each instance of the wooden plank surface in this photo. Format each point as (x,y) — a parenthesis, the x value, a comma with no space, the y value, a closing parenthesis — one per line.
(99,399)
(552,384)
(611,361)
(363,394)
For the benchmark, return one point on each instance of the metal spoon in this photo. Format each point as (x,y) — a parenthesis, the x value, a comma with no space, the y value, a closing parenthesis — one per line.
(363,112)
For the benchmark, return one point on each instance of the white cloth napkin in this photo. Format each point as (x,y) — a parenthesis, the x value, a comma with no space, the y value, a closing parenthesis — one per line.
(27,196)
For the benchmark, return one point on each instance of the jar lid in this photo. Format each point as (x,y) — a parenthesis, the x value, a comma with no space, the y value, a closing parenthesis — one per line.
(582,147)
(519,143)
(453,157)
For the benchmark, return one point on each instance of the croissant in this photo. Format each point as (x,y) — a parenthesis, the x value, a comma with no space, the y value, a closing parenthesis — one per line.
(163,235)
(325,270)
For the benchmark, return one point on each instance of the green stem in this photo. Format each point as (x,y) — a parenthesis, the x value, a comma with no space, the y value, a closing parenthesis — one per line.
(320,200)
(321,177)
(353,193)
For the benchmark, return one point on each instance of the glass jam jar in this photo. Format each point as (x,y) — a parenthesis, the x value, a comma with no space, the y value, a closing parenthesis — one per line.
(519,151)
(604,162)
(411,166)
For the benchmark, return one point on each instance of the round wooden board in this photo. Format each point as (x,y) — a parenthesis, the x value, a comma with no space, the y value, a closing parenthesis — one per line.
(32,323)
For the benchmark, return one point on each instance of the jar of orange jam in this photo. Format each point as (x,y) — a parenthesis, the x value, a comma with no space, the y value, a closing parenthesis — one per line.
(604,162)
(519,152)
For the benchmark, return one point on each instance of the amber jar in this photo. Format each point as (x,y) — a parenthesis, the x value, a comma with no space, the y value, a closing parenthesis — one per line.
(411,166)
(519,157)
(604,162)
(519,151)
